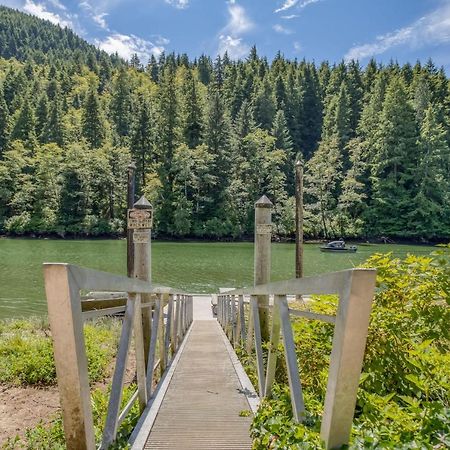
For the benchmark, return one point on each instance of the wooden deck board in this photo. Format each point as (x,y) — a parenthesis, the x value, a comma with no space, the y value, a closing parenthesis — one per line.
(201,407)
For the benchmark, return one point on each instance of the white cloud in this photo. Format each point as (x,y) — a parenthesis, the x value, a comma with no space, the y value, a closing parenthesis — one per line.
(282,30)
(431,29)
(230,37)
(290,16)
(234,46)
(95,13)
(238,22)
(297,47)
(99,19)
(57,4)
(40,10)
(127,45)
(288,4)
(180,4)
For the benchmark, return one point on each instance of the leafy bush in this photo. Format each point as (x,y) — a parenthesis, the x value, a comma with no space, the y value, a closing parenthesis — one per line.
(26,351)
(403,400)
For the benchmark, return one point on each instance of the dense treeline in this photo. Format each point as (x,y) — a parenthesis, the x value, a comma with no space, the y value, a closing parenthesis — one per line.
(25,37)
(210,136)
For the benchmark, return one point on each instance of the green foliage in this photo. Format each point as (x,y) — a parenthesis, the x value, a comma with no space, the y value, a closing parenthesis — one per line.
(379,136)
(26,351)
(403,400)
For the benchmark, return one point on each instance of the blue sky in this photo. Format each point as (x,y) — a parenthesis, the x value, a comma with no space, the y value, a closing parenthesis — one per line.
(318,30)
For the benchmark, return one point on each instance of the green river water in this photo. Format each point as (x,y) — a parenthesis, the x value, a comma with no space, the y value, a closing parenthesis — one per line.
(191,266)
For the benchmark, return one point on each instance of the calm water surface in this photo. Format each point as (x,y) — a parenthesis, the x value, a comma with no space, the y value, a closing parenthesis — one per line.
(191,266)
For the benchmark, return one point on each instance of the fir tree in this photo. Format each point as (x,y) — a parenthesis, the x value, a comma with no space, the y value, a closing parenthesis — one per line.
(394,162)
(24,128)
(4,123)
(92,120)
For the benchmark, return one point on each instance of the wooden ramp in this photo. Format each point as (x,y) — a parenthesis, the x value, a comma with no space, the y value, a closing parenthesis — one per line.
(199,403)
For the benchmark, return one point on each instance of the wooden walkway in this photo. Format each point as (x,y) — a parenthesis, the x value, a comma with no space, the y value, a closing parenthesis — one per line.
(199,403)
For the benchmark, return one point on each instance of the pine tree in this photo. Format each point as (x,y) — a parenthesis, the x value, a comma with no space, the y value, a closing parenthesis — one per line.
(322,178)
(54,129)
(121,103)
(42,114)
(281,134)
(264,105)
(394,162)
(24,128)
(192,115)
(4,123)
(352,199)
(168,131)
(92,120)
(143,140)
(336,122)
(430,216)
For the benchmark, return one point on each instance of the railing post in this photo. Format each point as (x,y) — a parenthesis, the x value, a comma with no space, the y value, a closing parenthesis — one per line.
(169,327)
(66,323)
(262,261)
(347,354)
(140,352)
(161,337)
(140,221)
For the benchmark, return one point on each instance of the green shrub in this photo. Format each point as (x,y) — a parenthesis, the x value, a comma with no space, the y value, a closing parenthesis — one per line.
(26,351)
(403,400)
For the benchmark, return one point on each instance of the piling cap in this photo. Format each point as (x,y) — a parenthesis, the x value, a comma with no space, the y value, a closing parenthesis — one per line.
(143,203)
(263,202)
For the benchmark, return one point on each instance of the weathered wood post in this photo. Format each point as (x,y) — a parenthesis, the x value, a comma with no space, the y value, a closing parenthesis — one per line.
(299,221)
(140,221)
(131,188)
(262,262)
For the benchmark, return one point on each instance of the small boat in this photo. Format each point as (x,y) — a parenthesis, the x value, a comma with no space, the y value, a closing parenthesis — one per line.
(338,247)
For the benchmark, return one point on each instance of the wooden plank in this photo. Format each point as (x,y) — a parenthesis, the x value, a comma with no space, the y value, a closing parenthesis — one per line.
(298,405)
(95,313)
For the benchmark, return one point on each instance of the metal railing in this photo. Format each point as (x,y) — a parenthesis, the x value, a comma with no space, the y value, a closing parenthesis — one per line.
(63,283)
(355,289)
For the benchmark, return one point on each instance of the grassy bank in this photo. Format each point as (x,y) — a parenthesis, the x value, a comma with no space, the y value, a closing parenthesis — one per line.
(26,360)
(403,399)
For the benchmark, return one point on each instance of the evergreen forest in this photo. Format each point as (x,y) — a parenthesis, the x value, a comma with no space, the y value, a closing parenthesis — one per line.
(209,136)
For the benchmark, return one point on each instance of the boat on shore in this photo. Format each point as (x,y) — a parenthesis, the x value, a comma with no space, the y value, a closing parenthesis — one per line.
(338,247)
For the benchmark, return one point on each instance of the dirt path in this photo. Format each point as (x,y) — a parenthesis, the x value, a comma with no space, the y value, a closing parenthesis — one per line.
(25,407)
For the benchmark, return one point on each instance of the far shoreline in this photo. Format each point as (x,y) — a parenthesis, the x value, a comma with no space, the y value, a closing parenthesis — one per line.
(368,241)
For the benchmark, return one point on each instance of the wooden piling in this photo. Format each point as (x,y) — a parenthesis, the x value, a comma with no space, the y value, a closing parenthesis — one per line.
(262,262)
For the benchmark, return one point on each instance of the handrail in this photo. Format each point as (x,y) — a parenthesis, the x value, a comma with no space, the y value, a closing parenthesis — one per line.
(355,289)
(63,283)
